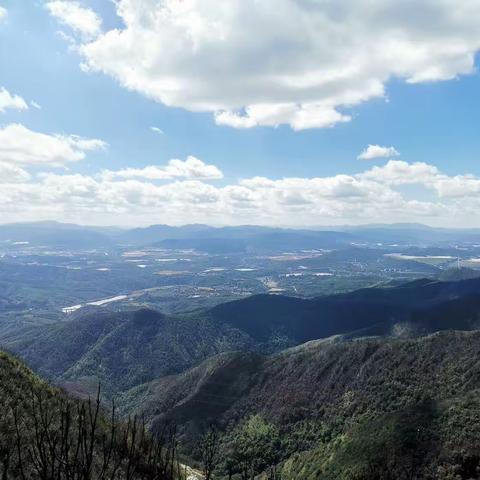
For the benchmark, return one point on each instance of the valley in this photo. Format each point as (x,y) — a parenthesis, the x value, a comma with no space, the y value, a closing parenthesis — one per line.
(56,270)
(306,353)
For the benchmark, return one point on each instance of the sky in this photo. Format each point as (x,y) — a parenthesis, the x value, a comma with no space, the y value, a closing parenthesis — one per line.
(298,113)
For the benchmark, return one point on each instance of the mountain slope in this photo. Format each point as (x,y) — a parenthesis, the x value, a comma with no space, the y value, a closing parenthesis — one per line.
(45,434)
(124,349)
(379,309)
(363,409)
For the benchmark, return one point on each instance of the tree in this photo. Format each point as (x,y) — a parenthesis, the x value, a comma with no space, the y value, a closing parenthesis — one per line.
(55,438)
(256,447)
(209,450)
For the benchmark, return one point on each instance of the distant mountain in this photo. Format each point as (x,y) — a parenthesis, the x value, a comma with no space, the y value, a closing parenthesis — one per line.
(157,233)
(201,237)
(413,234)
(124,349)
(366,409)
(257,238)
(402,234)
(236,239)
(53,234)
(241,238)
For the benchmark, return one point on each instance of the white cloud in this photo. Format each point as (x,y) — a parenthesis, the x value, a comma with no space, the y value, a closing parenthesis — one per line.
(272,62)
(299,117)
(68,38)
(3,13)
(460,186)
(80,19)
(373,195)
(35,105)
(192,167)
(376,151)
(21,146)
(14,102)
(398,172)
(12,173)
(157,130)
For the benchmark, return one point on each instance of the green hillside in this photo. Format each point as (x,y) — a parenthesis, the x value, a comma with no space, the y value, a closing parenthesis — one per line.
(46,435)
(123,349)
(365,409)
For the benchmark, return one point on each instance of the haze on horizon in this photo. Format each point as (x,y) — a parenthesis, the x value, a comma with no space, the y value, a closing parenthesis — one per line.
(227,114)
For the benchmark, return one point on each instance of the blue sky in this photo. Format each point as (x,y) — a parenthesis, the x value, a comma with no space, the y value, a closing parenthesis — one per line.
(432,122)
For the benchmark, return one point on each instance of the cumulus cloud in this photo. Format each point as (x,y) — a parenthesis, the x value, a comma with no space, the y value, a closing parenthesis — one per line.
(21,146)
(460,186)
(299,117)
(300,63)
(373,195)
(9,101)
(80,19)
(376,151)
(192,167)
(398,172)
(157,130)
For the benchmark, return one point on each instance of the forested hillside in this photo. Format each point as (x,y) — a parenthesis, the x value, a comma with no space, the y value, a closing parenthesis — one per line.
(46,435)
(349,386)
(365,409)
(123,349)
(128,348)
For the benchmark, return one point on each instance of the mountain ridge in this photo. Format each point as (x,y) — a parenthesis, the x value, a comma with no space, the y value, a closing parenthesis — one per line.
(127,348)
(364,394)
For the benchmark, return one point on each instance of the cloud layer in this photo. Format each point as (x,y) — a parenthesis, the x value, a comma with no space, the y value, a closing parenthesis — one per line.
(297,62)
(185,191)
(303,63)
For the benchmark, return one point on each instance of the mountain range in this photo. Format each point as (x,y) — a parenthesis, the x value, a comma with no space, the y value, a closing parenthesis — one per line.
(238,238)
